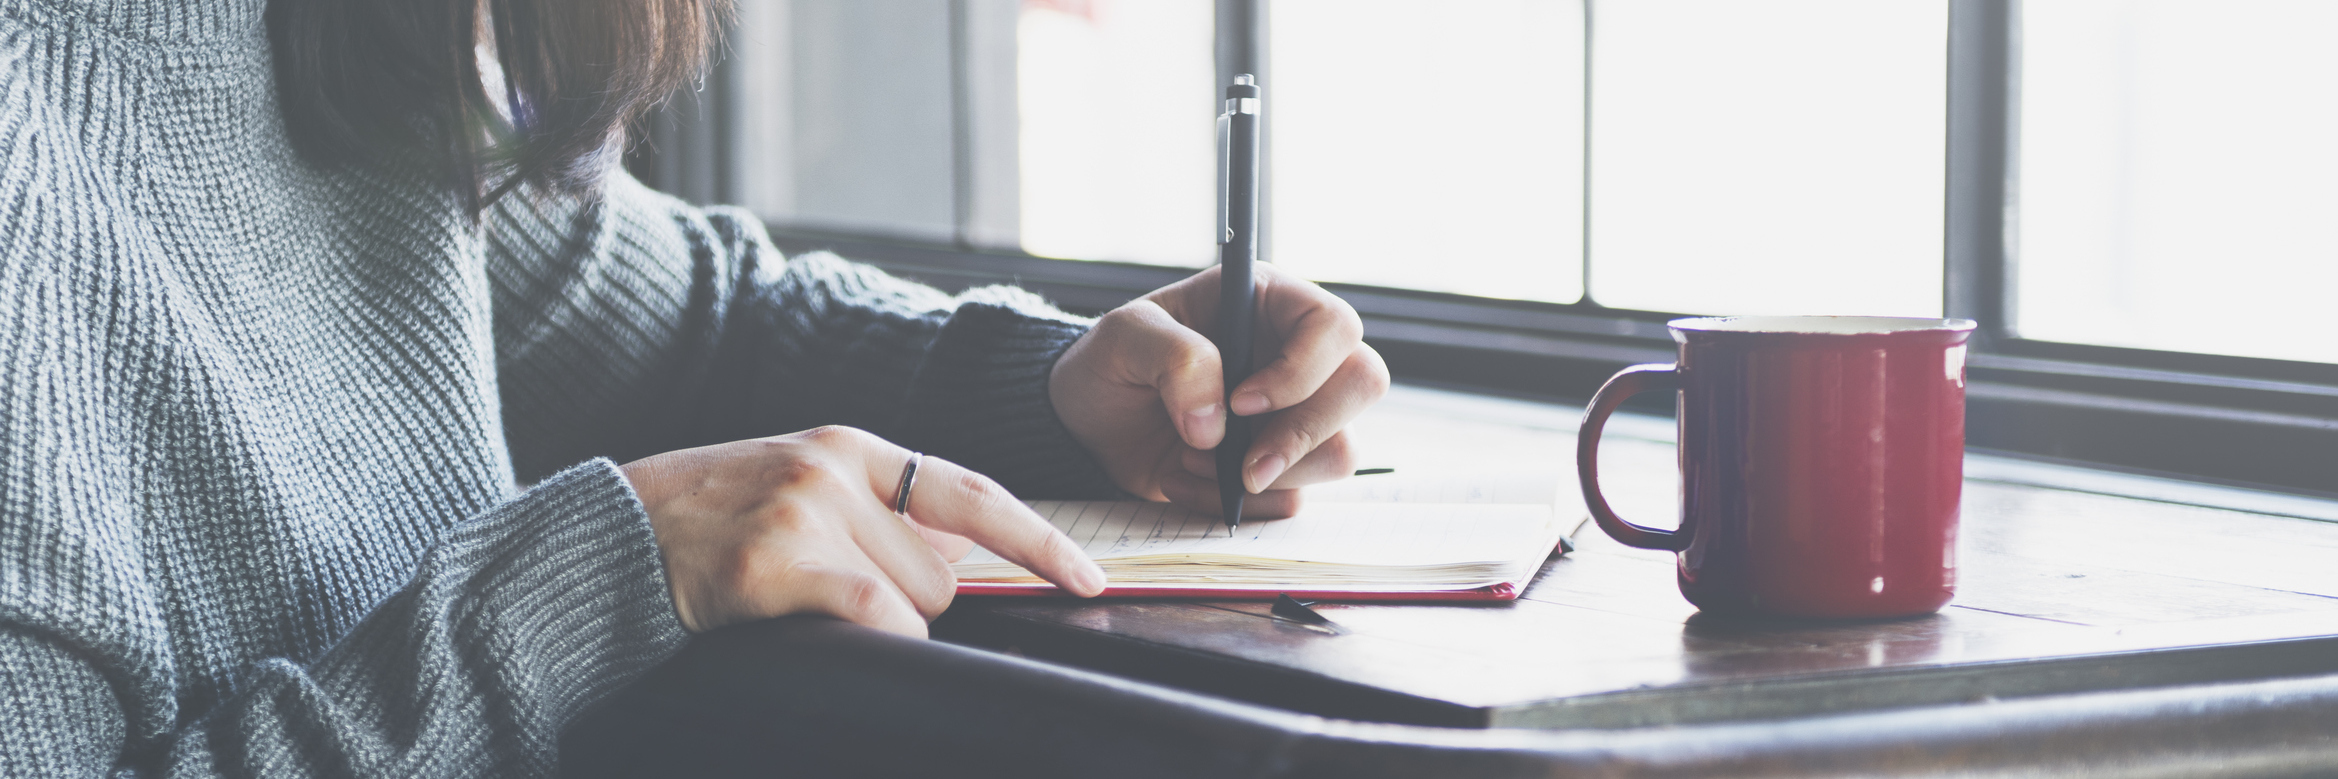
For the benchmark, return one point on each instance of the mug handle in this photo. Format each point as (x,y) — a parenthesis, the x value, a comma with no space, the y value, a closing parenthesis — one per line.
(1626,383)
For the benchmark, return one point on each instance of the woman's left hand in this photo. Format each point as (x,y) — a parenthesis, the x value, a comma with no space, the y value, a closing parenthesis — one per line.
(1144,390)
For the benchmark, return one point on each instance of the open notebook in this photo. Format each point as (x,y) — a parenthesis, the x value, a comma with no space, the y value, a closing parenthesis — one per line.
(1385,537)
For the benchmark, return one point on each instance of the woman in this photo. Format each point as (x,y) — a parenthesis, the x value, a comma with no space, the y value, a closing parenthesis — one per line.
(295,294)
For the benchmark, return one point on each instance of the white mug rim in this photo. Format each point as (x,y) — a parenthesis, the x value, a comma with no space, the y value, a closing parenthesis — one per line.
(1819,325)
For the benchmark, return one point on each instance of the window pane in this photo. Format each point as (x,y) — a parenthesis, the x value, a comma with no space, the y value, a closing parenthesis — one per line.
(1779,157)
(845,123)
(2179,175)
(1428,145)
(1118,129)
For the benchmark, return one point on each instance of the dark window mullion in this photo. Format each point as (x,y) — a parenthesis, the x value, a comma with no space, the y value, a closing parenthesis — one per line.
(1588,41)
(1982,93)
(961,130)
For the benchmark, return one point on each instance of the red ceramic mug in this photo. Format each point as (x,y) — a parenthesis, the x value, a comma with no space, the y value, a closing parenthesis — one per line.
(1821,460)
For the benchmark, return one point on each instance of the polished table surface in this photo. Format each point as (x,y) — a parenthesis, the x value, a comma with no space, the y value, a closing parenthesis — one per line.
(2059,590)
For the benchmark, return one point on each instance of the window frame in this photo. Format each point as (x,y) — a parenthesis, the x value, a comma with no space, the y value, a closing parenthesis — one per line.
(2239,421)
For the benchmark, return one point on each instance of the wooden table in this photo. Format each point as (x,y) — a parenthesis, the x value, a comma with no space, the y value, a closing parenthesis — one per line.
(2059,591)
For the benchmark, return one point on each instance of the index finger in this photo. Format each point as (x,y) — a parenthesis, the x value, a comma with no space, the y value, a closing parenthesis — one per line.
(949,498)
(1318,332)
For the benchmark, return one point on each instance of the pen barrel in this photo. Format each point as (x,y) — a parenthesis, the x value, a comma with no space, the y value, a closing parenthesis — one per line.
(1237,321)
(1235,334)
(1237,250)
(1229,461)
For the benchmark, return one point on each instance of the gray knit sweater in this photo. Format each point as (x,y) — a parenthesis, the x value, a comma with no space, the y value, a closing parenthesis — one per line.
(260,424)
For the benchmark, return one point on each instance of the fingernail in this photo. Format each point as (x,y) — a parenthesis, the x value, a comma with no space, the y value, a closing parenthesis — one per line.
(1263,472)
(1249,403)
(1199,420)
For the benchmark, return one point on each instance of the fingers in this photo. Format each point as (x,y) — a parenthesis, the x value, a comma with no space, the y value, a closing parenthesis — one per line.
(908,561)
(1154,349)
(831,545)
(951,547)
(1317,332)
(1201,495)
(847,592)
(803,523)
(1287,437)
(806,555)
(1333,460)
(954,500)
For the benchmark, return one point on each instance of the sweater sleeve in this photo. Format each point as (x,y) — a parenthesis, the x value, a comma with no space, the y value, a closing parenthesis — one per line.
(640,324)
(512,624)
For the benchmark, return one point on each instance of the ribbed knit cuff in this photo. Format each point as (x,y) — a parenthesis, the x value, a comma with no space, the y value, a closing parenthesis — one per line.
(981,398)
(574,594)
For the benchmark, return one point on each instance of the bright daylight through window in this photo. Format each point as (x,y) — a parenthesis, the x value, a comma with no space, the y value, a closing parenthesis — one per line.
(1776,157)
(1429,147)
(1117,130)
(2179,175)
(1747,158)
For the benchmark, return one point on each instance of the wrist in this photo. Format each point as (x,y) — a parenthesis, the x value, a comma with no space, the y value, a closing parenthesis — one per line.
(650,478)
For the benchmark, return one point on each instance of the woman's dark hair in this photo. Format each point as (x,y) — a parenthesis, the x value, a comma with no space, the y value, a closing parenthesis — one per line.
(374,80)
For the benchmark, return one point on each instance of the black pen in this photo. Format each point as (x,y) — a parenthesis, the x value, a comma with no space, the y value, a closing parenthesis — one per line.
(1237,291)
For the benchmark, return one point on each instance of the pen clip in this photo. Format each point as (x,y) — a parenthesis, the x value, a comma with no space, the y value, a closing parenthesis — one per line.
(1225,177)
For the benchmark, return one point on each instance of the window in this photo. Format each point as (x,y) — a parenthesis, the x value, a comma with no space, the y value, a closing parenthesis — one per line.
(2132,196)
(1455,129)
(1779,157)
(1117,131)
(2179,176)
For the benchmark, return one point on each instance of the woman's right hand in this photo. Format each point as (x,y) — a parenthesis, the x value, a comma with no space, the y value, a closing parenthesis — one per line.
(804,524)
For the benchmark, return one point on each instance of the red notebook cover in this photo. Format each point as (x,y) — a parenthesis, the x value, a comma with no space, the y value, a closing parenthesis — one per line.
(1496,591)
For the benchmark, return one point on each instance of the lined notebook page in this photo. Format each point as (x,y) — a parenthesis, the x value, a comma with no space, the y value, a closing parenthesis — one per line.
(1363,546)
(1417,486)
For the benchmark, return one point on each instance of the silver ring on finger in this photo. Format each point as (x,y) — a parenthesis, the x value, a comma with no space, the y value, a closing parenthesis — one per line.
(908,480)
